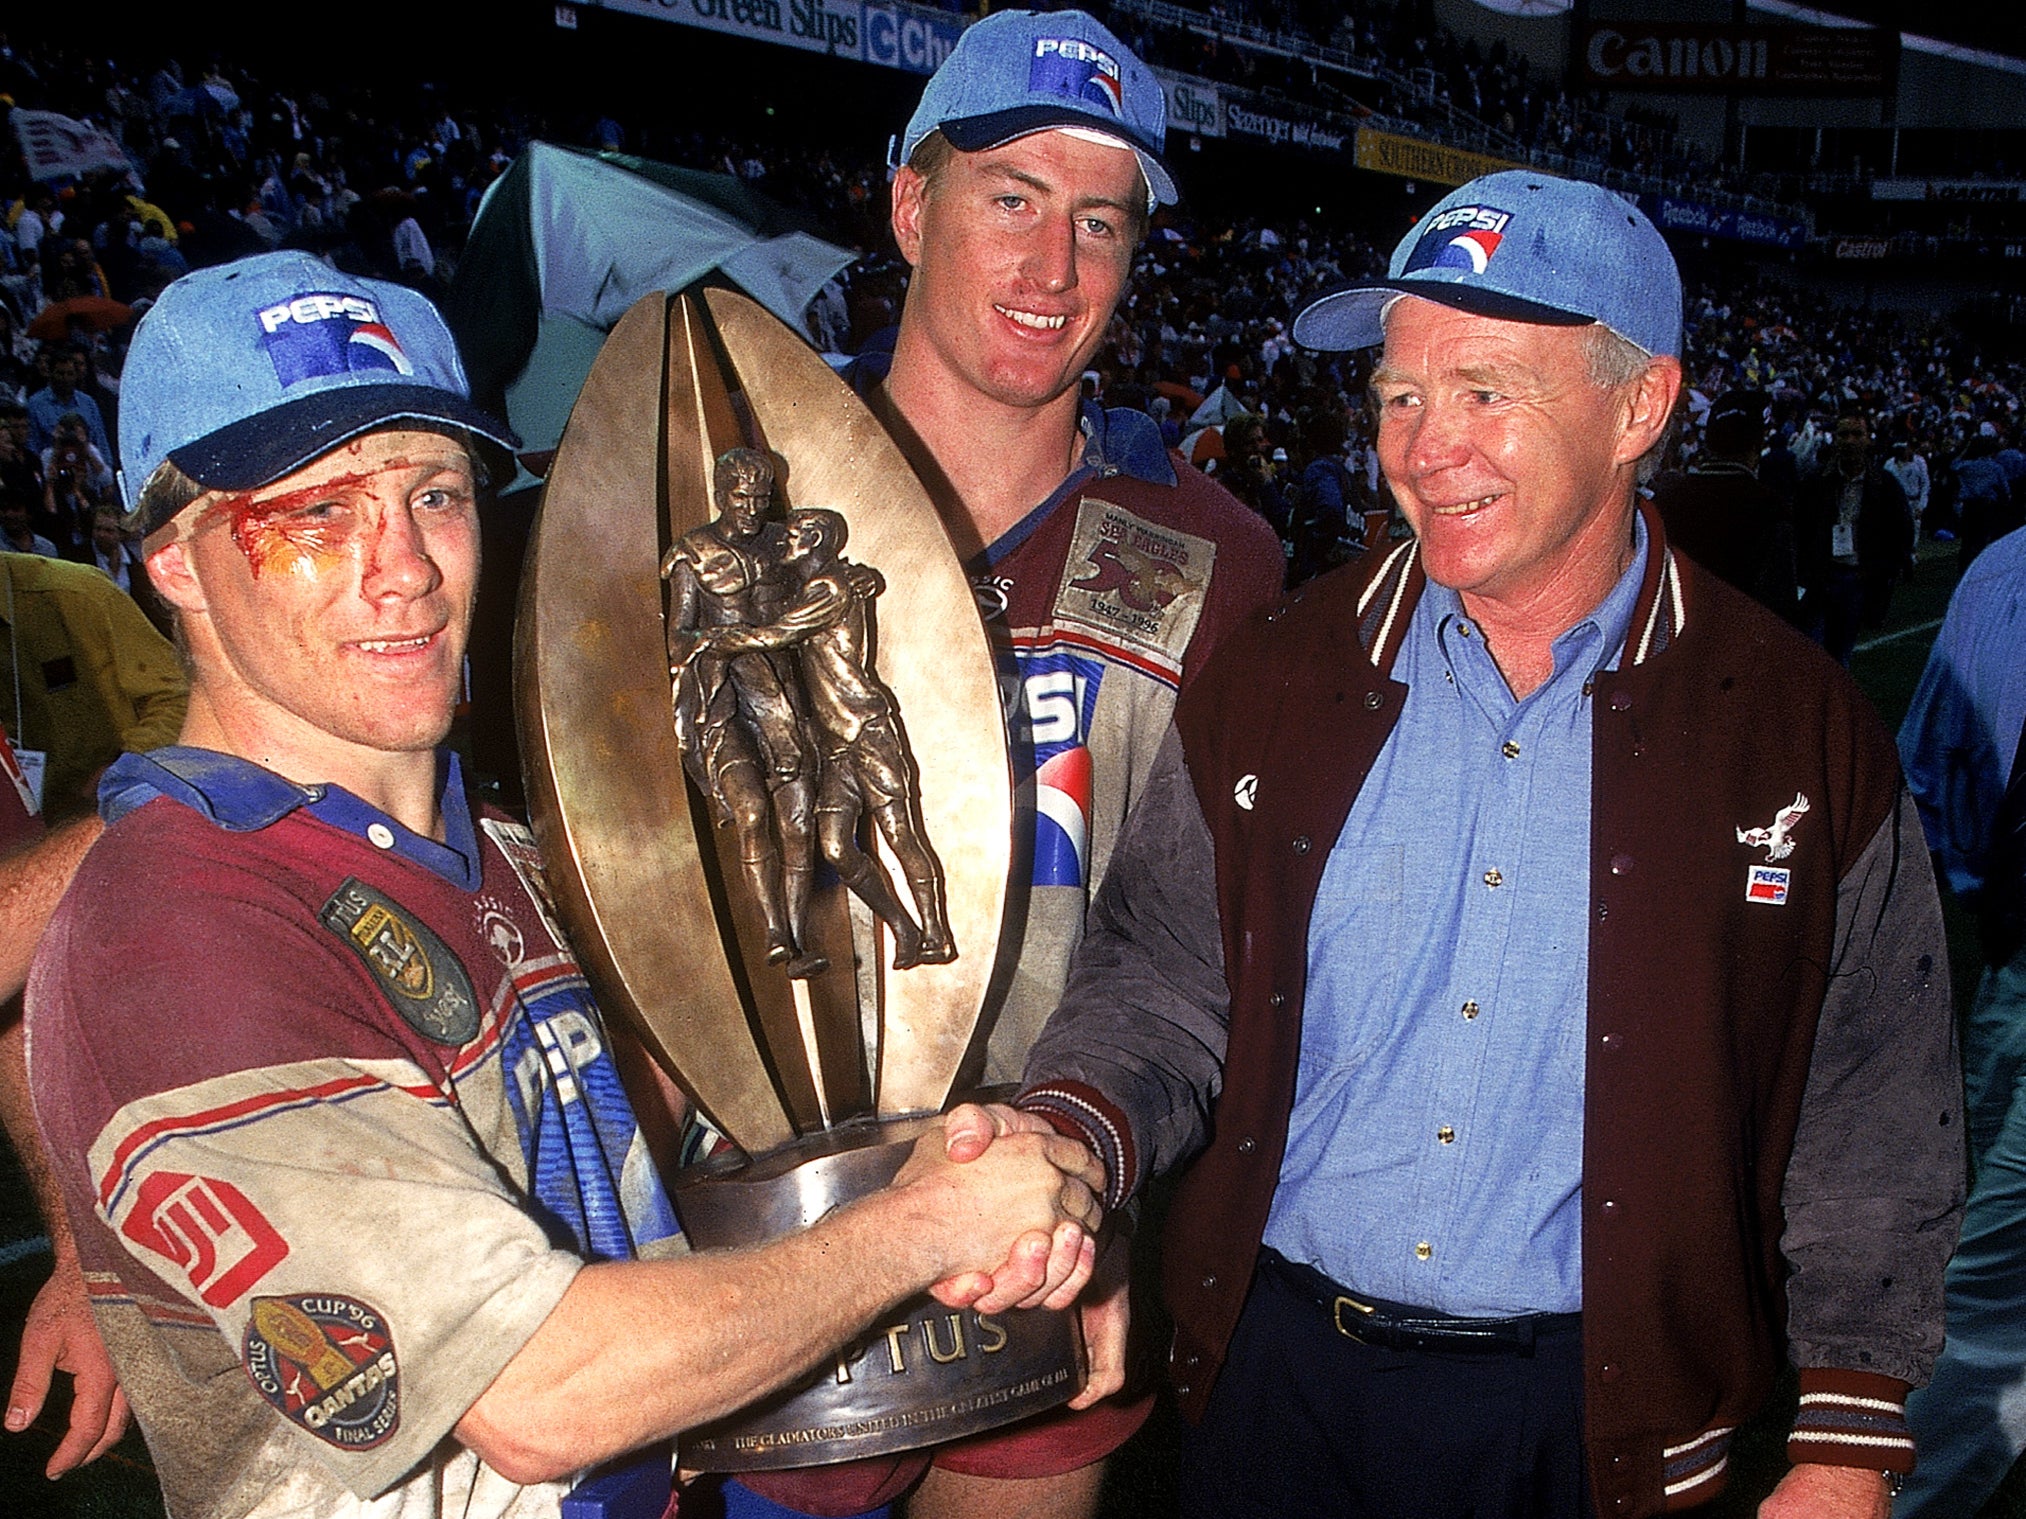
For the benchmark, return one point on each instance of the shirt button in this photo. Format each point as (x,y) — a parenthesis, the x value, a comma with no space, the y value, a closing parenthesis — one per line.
(1621,864)
(1470,1010)
(1493,878)
(1509,749)
(1611,1042)
(1446,1134)
(1610,1208)
(1183,1392)
(1611,1371)
(1463,630)
(1301,843)
(1192,1362)
(1278,999)
(1209,1280)
(1373,701)
(1423,1251)
(1247,1145)
(380,835)
(1620,701)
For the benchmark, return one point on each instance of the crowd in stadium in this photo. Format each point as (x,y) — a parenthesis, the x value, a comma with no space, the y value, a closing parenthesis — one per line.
(233,164)
(1790,435)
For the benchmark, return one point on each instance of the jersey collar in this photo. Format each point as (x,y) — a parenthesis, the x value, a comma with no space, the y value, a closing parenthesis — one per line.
(241,797)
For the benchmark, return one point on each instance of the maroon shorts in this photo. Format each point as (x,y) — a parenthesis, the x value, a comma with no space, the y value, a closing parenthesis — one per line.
(1047,1445)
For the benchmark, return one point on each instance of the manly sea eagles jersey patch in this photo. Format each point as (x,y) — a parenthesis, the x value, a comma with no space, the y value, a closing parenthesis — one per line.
(420,976)
(1134,581)
(327,1363)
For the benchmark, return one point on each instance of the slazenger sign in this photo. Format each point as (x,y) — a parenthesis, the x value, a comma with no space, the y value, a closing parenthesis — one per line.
(1194,106)
(1280,131)
(1645,55)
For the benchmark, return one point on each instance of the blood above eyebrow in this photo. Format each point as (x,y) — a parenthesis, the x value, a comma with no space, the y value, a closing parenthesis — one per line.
(262,529)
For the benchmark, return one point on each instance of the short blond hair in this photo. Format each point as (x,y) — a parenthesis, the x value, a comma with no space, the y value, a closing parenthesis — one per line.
(933,155)
(166,495)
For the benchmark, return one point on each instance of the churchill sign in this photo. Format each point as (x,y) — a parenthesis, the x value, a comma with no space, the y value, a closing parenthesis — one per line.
(1676,57)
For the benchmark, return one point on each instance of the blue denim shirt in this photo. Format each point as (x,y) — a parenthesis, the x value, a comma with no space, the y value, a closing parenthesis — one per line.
(1435,1149)
(1963,724)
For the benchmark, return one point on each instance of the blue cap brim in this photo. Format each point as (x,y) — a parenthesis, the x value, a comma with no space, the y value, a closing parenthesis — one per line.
(974,134)
(1353,318)
(264,448)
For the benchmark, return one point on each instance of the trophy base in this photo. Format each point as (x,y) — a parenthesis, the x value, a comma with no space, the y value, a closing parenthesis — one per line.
(924,1375)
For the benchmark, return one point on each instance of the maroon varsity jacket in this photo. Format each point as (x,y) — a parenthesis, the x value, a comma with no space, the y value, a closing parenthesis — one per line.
(1735,1165)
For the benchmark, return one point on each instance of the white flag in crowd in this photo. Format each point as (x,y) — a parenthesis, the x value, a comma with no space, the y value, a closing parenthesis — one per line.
(56,147)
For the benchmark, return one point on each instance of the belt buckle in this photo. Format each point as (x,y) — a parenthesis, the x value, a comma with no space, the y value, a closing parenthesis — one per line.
(1350,1332)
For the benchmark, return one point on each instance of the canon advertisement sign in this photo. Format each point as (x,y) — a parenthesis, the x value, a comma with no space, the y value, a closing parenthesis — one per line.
(1658,55)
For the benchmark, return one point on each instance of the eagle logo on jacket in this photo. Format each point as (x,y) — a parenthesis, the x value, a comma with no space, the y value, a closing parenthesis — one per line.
(1777,839)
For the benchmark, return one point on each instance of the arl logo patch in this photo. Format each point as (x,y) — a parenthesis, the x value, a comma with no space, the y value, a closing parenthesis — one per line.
(327,1363)
(207,1228)
(1072,68)
(315,336)
(420,976)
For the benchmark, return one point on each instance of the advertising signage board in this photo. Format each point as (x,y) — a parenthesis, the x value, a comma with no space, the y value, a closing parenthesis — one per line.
(1195,106)
(1244,120)
(1412,158)
(893,33)
(1694,216)
(1681,57)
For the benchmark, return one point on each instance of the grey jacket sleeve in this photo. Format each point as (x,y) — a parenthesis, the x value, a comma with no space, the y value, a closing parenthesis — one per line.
(1133,1057)
(1874,1190)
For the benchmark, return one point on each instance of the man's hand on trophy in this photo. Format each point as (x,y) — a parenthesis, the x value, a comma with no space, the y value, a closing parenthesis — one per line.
(1020,1210)
(1038,1272)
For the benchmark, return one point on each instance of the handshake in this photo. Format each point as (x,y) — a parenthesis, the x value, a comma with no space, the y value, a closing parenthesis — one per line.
(1014,1210)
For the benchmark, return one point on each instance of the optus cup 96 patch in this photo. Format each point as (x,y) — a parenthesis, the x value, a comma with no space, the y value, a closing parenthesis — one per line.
(327,1363)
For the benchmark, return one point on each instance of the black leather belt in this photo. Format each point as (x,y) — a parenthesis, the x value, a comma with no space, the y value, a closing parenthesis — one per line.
(1397,1326)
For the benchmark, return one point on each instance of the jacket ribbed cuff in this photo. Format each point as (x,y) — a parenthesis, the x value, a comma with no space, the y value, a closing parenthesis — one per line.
(1851,1418)
(1082,1113)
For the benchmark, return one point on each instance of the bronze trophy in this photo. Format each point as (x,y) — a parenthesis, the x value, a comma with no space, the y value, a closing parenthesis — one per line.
(767,768)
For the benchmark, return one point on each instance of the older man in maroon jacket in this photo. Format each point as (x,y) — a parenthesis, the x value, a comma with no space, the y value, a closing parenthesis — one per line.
(1535,939)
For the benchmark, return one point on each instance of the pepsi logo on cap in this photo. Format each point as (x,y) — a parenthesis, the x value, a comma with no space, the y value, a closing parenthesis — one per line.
(1463,237)
(1072,68)
(317,335)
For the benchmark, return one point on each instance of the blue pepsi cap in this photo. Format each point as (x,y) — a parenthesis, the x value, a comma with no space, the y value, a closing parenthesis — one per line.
(1019,72)
(243,373)
(1525,247)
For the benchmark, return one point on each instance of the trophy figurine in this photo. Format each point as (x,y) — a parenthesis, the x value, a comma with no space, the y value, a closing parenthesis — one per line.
(767,767)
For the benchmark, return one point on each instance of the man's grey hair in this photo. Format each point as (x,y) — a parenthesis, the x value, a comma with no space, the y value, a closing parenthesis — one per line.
(1616,363)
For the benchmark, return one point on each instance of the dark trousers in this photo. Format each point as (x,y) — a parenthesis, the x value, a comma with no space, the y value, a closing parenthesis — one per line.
(1841,612)
(1304,1422)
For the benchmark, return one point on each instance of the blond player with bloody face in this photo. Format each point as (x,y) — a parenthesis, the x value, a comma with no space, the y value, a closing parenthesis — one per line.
(359,1194)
